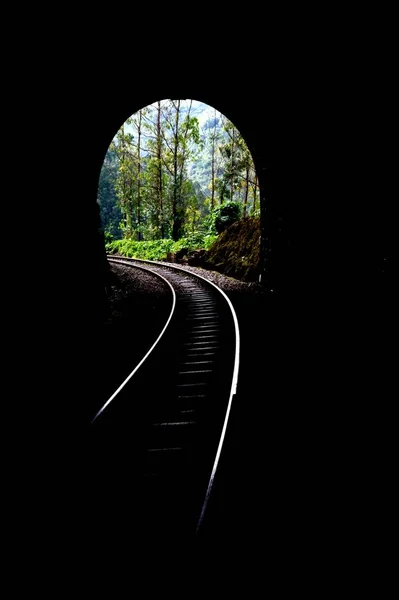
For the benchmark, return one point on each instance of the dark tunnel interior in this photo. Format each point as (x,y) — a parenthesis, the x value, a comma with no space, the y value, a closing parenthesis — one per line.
(320,430)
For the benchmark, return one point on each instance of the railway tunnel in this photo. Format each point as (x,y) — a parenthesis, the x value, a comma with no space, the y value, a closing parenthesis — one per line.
(270,368)
(315,266)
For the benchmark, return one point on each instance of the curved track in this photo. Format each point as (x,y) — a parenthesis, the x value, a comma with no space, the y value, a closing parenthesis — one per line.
(157,441)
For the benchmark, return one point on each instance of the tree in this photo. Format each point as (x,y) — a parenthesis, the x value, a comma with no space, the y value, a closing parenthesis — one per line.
(137,121)
(110,212)
(255,190)
(230,152)
(122,146)
(239,171)
(181,136)
(156,179)
(194,207)
(213,140)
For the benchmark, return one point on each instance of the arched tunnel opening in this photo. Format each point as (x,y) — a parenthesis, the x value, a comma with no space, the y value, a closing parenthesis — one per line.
(180,171)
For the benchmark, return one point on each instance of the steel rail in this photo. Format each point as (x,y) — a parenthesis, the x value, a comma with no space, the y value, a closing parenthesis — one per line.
(154,344)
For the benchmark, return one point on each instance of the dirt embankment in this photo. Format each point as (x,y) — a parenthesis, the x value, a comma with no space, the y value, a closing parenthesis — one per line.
(235,253)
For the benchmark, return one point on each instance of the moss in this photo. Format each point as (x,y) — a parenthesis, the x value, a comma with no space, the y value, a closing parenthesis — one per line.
(236,251)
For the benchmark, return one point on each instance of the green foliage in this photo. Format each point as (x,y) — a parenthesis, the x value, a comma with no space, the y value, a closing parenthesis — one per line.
(224,215)
(159,249)
(209,239)
(108,237)
(151,250)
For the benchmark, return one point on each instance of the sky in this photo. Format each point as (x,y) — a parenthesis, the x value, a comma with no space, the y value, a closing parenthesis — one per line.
(202,111)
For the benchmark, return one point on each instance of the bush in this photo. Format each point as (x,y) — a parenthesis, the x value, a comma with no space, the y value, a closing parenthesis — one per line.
(159,249)
(223,216)
(108,237)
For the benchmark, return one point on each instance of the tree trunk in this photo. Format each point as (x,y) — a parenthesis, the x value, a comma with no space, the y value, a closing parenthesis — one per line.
(182,160)
(254,189)
(232,166)
(213,164)
(246,191)
(139,178)
(124,199)
(175,208)
(159,170)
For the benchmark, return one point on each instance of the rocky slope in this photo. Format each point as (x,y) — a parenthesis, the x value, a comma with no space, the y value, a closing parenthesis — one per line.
(236,251)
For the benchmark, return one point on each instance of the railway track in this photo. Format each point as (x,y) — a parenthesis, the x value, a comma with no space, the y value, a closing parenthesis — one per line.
(158,440)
